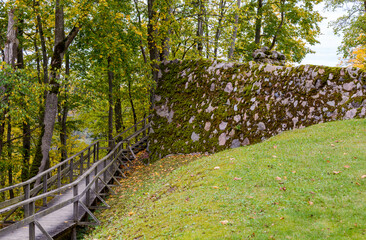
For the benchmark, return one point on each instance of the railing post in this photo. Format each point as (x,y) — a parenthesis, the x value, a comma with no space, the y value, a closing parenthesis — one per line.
(32,226)
(76,204)
(45,189)
(29,211)
(144,132)
(71,174)
(95,152)
(58,177)
(26,196)
(88,158)
(87,196)
(98,146)
(105,172)
(81,163)
(96,180)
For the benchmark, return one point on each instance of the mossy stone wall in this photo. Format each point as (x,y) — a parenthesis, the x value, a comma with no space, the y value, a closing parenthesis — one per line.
(208,106)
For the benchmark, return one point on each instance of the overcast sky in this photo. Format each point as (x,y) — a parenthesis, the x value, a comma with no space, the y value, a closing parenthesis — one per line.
(326,51)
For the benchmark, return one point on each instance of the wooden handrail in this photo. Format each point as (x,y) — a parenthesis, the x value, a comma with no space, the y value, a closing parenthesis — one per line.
(35,178)
(100,170)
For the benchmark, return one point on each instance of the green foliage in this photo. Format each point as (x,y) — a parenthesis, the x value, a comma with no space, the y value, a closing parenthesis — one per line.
(351,25)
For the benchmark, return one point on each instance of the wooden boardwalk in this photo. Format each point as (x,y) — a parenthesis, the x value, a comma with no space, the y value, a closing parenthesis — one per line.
(56,222)
(69,190)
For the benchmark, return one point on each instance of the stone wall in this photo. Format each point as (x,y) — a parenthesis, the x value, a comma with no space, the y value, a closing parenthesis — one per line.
(206,106)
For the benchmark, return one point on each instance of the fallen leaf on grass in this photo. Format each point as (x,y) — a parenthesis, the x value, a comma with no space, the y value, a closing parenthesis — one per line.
(358,184)
(224,222)
(347,166)
(216,168)
(250,197)
(363,176)
(274,156)
(332,145)
(282,218)
(278,178)
(293,171)
(310,203)
(274,146)
(131,213)
(336,172)
(283,188)
(215,187)
(236,178)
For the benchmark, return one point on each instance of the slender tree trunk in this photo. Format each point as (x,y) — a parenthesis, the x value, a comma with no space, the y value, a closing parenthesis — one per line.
(43,44)
(49,117)
(207,36)
(153,50)
(10,158)
(165,43)
(118,111)
(110,103)
(11,45)
(131,102)
(218,29)
(140,27)
(233,38)
(199,33)
(274,40)
(258,23)
(26,125)
(10,53)
(64,110)
(38,61)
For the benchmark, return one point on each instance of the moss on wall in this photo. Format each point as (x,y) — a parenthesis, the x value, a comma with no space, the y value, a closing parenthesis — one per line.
(206,106)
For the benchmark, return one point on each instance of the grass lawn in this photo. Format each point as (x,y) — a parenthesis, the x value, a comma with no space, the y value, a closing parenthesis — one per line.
(302,184)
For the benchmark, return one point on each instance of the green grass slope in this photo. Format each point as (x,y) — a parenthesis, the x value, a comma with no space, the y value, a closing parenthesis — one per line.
(303,184)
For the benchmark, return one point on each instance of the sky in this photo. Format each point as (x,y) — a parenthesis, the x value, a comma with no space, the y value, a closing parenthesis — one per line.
(326,50)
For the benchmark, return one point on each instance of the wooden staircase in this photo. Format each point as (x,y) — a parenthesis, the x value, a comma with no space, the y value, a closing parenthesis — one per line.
(57,200)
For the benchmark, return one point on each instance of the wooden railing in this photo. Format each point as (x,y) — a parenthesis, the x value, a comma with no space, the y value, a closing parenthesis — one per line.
(85,168)
(55,177)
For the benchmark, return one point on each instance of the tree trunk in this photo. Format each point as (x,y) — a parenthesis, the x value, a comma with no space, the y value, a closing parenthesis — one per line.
(199,33)
(153,50)
(10,163)
(118,111)
(218,29)
(38,61)
(41,160)
(258,23)
(207,36)
(43,45)
(10,53)
(11,44)
(110,103)
(140,27)
(26,140)
(131,102)
(233,38)
(274,40)
(64,110)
